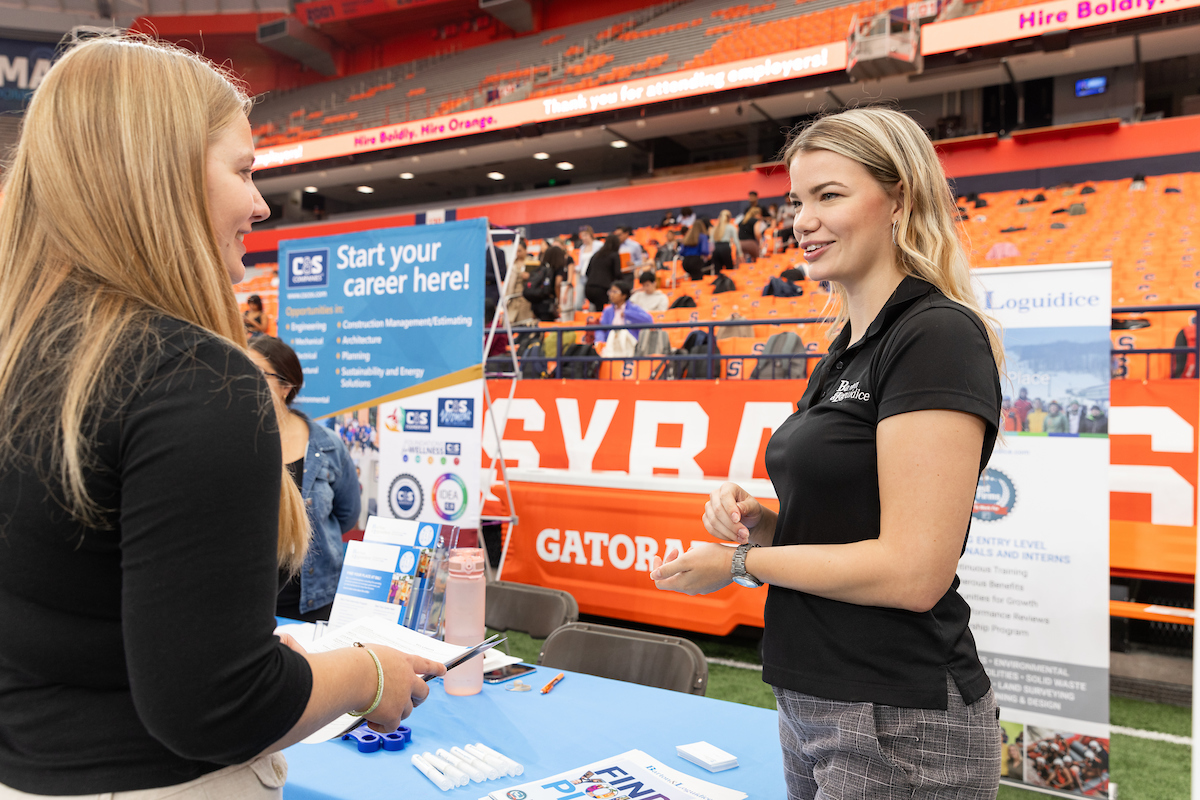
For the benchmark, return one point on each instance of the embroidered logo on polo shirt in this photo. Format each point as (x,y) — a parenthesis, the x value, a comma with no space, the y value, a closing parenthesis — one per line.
(849,391)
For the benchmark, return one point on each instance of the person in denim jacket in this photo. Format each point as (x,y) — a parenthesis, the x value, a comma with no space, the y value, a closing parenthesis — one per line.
(321,466)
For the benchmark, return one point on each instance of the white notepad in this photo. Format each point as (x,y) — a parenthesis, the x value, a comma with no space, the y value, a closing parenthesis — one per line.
(713,759)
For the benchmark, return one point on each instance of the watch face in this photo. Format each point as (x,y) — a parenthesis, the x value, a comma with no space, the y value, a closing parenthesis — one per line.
(747,581)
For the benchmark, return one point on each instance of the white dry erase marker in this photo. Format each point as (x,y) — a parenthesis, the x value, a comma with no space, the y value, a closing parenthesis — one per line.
(514,770)
(487,769)
(500,766)
(449,770)
(439,780)
(475,774)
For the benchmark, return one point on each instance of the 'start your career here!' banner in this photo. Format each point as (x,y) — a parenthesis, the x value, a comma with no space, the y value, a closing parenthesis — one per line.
(375,315)
(394,318)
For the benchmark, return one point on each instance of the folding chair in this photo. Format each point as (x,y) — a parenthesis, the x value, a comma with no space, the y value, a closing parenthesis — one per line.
(535,610)
(651,659)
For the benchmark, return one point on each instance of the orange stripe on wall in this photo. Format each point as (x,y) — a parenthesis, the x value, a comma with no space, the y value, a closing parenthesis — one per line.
(1166,137)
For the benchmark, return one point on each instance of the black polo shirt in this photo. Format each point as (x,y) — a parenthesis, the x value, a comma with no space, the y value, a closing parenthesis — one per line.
(923,351)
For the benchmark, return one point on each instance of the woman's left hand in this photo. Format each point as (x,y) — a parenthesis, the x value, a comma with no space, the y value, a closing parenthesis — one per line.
(703,569)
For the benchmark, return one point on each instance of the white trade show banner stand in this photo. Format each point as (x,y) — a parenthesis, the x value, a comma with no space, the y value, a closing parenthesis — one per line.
(1036,566)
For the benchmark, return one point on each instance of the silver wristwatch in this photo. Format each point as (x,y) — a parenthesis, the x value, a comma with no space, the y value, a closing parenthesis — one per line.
(740,576)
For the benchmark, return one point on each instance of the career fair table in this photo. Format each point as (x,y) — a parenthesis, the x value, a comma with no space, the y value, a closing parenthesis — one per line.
(584,719)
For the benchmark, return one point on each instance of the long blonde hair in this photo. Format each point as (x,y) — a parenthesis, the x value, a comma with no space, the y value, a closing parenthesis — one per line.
(896,152)
(724,220)
(104,226)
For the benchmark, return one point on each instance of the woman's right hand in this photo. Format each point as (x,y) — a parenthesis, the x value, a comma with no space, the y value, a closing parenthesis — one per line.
(404,687)
(731,513)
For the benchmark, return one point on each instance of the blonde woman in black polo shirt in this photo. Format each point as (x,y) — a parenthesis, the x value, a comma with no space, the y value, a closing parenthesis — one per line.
(881,693)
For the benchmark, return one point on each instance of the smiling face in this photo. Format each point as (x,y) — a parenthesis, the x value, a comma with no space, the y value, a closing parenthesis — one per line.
(233,202)
(843,217)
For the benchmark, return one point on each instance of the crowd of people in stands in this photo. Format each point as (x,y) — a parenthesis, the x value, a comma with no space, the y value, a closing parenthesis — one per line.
(578,272)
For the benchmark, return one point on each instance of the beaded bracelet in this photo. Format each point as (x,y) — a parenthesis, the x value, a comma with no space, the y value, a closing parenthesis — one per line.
(379,690)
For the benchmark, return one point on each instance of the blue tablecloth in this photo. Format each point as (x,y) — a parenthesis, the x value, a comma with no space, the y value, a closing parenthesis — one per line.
(584,719)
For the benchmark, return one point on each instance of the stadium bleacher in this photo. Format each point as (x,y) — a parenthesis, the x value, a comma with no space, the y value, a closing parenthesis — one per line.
(662,38)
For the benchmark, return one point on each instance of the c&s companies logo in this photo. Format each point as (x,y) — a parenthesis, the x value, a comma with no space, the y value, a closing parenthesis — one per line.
(995,496)
(416,420)
(455,412)
(406,497)
(450,497)
(308,268)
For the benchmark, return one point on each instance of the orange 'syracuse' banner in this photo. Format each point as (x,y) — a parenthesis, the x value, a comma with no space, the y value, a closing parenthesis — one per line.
(607,474)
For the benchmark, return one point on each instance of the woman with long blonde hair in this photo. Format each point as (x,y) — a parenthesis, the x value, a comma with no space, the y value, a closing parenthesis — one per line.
(880,690)
(143,508)
(726,247)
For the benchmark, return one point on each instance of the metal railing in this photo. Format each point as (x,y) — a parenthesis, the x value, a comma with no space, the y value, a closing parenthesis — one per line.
(710,362)
(1193,350)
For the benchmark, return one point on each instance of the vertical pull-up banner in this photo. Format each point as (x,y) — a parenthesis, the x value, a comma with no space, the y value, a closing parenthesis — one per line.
(1036,569)
(394,318)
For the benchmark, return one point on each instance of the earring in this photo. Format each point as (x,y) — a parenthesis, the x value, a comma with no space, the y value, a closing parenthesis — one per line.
(894,224)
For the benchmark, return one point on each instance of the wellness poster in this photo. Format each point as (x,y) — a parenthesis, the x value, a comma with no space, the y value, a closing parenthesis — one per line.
(1035,571)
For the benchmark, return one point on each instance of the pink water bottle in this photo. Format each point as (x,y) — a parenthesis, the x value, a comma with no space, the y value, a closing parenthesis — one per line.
(464,617)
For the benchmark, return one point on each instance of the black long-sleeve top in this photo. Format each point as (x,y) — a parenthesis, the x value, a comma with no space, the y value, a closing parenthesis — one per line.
(141,654)
(604,269)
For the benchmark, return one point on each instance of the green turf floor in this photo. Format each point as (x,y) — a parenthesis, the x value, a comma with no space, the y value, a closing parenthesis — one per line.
(1141,768)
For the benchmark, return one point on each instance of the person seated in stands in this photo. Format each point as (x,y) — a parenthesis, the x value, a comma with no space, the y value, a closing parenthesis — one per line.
(253,317)
(696,249)
(603,270)
(668,219)
(1056,420)
(687,217)
(621,312)
(648,297)
(1095,422)
(669,251)
(637,253)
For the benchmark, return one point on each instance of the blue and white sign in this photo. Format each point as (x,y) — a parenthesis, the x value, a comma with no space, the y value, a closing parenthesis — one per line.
(308,268)
(1035,571)
(373,313)
(23,65)
(456,412)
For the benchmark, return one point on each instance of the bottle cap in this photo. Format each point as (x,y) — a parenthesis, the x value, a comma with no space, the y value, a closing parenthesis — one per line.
(466,562)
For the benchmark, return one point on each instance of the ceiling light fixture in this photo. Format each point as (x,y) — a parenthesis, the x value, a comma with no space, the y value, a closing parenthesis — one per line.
(406,176)
(565,165)
(310,189)
(541,156)
(619,144)
(496,176)
(365,189)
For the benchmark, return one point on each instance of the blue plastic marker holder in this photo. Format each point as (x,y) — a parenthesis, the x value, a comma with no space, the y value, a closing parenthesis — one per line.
(368,741)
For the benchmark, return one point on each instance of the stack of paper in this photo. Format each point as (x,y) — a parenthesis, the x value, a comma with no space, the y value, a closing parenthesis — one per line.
(713,759)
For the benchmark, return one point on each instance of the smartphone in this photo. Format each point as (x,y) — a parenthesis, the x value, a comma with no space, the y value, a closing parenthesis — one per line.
(507,673)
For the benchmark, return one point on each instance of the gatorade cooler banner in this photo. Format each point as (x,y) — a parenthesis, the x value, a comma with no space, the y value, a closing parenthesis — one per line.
(1036,567)
(379,315)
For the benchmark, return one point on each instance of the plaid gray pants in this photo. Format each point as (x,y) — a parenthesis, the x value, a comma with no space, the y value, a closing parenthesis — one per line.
(834,750)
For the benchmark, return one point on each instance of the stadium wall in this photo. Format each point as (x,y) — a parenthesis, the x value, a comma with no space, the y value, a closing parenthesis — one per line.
(983,164)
